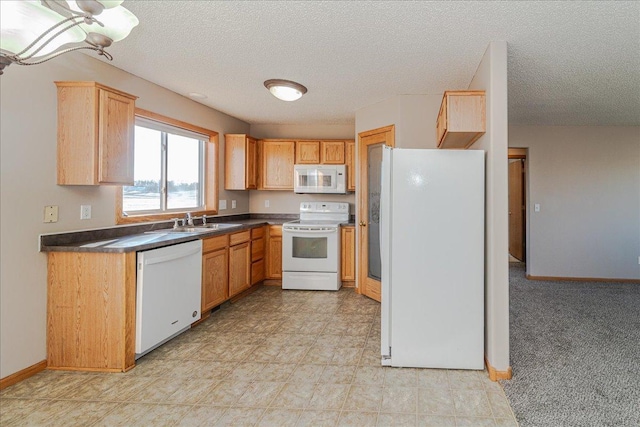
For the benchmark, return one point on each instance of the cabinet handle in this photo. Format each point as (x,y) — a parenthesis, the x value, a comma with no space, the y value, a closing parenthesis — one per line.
(363,224)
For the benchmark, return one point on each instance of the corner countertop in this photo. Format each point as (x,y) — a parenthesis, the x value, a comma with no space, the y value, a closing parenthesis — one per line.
(142,237)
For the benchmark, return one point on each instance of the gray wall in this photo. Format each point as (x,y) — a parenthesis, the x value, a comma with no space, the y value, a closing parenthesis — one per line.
(414,117)
(28,107)
(587,182)
(491,76)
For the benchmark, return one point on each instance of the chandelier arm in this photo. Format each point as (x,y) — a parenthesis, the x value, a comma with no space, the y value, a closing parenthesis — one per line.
(63,5)
(100,51)
(45,34)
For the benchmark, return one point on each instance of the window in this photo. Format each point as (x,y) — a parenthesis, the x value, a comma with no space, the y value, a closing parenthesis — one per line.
(174,170)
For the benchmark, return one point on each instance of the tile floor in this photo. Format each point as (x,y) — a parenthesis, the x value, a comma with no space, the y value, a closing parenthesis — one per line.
(274,358)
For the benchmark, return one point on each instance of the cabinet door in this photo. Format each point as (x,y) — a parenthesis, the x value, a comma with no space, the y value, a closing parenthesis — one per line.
(277,165)
(308,152)
(215,284)
(115,138)
(348,250)
(332,152)
(257,272)
(257,249)
(274,253)
(350,161)
(239,268)
(251,164)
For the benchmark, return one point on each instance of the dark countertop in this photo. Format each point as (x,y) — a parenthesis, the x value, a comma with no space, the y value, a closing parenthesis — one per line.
(141,237)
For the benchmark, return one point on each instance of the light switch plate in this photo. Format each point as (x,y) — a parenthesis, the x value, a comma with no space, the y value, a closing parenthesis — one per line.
(222,204)
(50,214)
(536,207)
(233,204)
(266,203)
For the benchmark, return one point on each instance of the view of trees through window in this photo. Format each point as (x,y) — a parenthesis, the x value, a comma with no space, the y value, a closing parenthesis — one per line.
(167,173)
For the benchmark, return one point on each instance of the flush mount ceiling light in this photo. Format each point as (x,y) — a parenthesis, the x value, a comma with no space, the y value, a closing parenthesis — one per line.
(285,90)
(33,32)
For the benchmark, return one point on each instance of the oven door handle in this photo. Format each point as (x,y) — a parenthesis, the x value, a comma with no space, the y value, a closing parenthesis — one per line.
(308,231)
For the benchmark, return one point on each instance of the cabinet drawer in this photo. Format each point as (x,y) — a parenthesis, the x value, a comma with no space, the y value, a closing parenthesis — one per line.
(257,249)
(213,243)
(275,230)
(256,233)
(257,271)
(240,237)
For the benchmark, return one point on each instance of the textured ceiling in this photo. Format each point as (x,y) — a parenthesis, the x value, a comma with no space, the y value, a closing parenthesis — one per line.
(570,63)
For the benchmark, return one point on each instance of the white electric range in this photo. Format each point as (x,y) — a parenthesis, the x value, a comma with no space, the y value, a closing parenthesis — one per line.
(311,247)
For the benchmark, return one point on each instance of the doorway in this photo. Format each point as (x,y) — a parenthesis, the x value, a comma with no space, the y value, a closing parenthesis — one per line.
(517,204)
(370,161)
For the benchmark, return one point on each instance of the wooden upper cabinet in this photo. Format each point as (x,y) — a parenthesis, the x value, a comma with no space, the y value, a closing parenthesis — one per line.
(277,160)
(462,119)
(241,166)
(350,162)
(332,152)
(307,152)
(95,134)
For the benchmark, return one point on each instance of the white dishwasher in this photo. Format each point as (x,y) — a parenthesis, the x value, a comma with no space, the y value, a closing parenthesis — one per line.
(168,293)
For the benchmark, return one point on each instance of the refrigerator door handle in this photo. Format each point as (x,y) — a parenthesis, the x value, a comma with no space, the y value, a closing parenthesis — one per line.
(385,254)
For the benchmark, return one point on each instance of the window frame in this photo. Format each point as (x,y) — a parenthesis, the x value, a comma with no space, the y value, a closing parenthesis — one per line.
(210,173)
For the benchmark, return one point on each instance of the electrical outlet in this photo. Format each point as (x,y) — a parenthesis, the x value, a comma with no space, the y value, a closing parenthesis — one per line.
(50,214)
(266,203)
(222,204)
(85,212)
(233,204)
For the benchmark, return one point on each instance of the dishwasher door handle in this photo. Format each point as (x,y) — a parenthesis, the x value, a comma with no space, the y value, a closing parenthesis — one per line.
(172,257)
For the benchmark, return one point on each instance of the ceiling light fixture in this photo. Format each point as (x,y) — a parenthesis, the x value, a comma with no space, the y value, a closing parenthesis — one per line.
(285,90)
(33,32)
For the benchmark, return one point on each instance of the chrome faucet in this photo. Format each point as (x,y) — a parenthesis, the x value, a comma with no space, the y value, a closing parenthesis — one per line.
(204,219)
(188,219)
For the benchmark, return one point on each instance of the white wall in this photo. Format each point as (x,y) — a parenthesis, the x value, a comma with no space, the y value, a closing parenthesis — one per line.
(28,182)
(491,76)
(587,182)
(287,201)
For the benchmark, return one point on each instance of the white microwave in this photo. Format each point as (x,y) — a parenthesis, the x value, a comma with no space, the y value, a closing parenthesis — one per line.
(320,179)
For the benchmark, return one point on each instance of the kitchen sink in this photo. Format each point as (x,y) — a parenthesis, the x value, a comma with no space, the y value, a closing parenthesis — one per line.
(219,226)
(185,229)
(196,228)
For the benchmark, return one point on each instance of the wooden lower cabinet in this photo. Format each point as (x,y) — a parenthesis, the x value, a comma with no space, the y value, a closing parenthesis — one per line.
(91,304)
(239,264)
(274,253)
(258,243)
(215,278)
(348,255)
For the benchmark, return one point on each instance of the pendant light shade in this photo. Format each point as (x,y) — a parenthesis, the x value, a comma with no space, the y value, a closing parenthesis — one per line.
(118,23)
(33,32)
(22,22)
(285,90)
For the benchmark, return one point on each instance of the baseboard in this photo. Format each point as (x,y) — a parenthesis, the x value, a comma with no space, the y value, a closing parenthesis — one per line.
(272,282)
(495,375)
(23,374)
(581,279)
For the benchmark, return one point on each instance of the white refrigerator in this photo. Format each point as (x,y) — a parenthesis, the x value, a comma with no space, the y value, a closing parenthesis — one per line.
(432,252)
